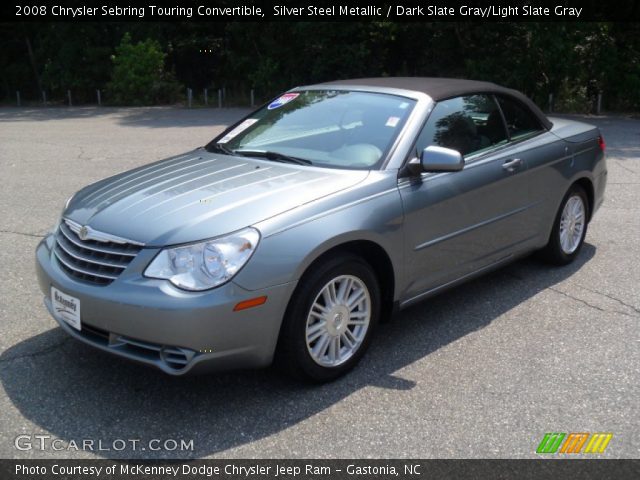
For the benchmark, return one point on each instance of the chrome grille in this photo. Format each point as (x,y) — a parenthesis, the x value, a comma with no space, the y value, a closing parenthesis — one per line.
(93,261)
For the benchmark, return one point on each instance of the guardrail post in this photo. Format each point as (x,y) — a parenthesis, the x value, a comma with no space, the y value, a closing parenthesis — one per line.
(219,98)
(18,97)
(69,97)
(253,98)
(189,96)
(99,97)
(599,104)
(550,102)
(206,97)
(44,97)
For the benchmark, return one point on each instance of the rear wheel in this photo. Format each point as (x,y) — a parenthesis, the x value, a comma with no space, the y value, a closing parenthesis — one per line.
(569,228)
(329,323)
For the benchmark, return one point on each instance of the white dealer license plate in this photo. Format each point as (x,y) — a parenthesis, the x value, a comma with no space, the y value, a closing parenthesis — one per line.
(66,307)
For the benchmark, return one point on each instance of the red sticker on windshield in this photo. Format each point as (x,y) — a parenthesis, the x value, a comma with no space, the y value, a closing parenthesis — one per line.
(283,100)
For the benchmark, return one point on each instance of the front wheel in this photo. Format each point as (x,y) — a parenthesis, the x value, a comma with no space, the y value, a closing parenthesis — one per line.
(569,228)
(330,320)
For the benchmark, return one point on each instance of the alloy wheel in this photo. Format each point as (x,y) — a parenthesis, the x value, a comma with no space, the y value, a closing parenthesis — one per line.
(572,224)
(338,320)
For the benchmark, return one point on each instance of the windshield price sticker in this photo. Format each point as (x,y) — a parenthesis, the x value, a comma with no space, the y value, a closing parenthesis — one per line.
(239,129)
(392,121)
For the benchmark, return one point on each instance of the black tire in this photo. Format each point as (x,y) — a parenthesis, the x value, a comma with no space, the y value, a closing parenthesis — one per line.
(292,354)
(553,252)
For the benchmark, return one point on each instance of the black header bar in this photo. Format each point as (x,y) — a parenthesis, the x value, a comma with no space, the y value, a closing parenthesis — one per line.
(319,10)
(318,469)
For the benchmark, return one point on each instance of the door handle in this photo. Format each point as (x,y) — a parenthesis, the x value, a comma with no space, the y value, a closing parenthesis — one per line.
(512,164)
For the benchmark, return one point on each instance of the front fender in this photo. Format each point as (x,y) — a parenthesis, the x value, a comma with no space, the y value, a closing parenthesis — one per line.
(285,254)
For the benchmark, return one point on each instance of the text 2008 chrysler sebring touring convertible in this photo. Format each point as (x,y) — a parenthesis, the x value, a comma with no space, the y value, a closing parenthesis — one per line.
(295,231)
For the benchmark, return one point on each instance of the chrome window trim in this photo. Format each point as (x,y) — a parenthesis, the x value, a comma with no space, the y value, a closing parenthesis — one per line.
(474,157)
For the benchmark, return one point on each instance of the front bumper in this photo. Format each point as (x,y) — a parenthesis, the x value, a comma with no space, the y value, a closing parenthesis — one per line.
(152,322)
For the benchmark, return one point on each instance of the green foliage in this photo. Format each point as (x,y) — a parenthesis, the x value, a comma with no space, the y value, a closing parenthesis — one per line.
(76,64)
(573,61)
(139,77)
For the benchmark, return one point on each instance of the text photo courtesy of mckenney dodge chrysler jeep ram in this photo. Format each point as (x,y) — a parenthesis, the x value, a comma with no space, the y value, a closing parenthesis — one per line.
(294,232)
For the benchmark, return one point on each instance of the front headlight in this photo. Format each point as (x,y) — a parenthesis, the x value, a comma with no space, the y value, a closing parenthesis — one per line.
(204,265)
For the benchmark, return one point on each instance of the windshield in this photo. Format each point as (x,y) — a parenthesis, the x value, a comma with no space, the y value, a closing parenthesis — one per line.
(329,128)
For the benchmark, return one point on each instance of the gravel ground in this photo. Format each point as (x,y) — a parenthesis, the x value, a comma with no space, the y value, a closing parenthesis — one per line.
(481,371)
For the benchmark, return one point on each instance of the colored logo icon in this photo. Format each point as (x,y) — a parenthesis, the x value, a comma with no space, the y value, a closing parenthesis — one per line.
(574,442)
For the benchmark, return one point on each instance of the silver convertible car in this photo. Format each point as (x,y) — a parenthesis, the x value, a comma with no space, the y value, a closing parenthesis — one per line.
(291,235)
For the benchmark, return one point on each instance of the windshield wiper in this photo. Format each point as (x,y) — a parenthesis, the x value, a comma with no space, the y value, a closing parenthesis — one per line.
(220,148)
(275,156)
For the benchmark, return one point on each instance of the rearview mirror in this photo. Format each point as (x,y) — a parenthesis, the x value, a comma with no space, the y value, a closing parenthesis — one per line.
(437,159)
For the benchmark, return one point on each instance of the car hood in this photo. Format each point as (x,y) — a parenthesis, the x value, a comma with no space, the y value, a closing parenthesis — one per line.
(200,195)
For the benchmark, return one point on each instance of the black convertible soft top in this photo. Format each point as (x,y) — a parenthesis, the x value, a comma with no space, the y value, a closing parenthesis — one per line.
(443,88)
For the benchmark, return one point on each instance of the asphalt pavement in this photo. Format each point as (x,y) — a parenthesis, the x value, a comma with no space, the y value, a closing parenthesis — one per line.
(484,370)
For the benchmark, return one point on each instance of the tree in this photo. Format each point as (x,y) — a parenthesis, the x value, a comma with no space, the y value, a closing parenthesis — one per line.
(574,61)
(139,77)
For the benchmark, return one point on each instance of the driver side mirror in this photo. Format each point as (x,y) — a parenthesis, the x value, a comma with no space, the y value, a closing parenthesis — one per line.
(437,159)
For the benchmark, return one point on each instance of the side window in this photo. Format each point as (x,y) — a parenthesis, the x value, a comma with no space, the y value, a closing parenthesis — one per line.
(468,124)
(520,121)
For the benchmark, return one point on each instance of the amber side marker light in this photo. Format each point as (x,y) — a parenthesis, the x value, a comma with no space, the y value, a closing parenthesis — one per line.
(252,302)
